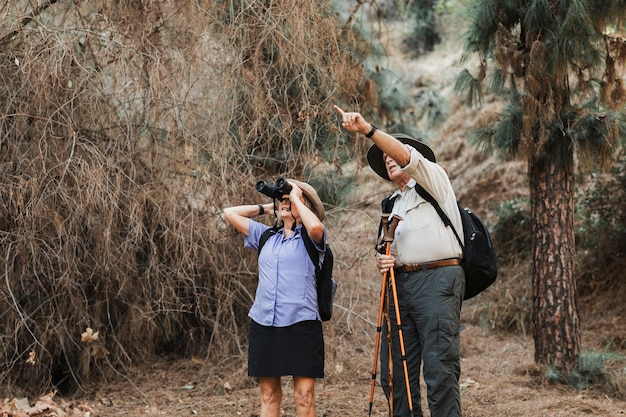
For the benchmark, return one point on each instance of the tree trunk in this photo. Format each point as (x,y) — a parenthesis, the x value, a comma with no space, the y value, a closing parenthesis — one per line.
(555,311)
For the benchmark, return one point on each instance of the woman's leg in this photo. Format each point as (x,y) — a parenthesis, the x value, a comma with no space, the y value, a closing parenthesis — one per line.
(271,395)
(304,396)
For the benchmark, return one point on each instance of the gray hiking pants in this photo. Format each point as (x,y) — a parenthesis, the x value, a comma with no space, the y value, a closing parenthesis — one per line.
(430,309)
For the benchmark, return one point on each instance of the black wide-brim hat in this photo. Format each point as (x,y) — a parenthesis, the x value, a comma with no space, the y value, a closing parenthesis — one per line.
(375,154)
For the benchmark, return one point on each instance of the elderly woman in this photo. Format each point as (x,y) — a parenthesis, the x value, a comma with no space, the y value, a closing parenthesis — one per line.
(285,327)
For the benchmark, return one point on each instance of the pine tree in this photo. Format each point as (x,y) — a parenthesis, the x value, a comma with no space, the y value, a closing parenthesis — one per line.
(557,65)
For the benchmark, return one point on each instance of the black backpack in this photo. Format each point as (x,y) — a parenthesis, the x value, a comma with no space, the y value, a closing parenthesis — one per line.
(479,256)
(326,285)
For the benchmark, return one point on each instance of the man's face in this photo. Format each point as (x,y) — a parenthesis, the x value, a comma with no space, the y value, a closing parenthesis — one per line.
(393,170)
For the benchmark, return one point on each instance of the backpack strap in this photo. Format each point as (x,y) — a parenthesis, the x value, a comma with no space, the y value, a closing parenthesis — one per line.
(444,217)
(266,235)
(387,204)
(310,248)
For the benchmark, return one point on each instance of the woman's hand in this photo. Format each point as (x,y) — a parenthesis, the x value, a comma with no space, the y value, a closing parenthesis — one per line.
(296,193)
(309,219)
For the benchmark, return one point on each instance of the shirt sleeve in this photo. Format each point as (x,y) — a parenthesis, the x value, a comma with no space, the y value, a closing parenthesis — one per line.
(255,230)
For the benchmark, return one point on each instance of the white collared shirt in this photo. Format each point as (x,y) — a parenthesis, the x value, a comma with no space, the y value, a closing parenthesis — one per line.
(422,236)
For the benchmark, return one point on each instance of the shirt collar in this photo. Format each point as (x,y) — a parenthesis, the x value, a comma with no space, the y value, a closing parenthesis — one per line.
(297,232)
(409,186)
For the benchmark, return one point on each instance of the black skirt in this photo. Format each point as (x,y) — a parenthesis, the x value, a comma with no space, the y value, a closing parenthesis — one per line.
(296,350)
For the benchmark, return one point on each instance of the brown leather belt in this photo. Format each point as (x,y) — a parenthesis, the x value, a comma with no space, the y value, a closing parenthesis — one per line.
(424,266)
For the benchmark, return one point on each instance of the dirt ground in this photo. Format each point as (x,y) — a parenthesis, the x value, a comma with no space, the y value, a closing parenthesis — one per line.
(499,378)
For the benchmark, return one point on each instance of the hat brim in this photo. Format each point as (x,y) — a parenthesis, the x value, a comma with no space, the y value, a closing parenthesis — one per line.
(375,154)
(311,195)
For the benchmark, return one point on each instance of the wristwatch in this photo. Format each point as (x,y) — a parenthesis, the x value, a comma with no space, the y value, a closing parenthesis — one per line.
(371,133)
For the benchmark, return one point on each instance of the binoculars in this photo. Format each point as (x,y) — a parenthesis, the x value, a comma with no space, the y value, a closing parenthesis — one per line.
(277,191)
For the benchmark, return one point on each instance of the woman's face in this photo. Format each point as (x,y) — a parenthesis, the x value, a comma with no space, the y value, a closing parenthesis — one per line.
(287,210)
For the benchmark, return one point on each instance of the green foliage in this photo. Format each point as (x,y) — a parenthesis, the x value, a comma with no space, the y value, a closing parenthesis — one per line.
(576,40)
(480,37)
(591,371)
(602,211)
(393,92)
(503,138)
(511,233)
(538,15)
(564,75)
(425,35)
(466,82)
(331,187)
(498,82)
(422,16)
(432,106)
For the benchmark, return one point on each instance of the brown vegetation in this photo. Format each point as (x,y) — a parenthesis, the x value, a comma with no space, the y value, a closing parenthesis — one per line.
(126,127)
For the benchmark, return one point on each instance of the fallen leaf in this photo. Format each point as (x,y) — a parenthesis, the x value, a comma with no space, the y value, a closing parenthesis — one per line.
(88,335)
(468,383)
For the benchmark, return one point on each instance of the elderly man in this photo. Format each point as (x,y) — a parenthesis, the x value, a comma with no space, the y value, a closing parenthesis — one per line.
(430,282)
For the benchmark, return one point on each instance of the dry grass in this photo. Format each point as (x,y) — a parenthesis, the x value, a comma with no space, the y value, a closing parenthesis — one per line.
(126,127)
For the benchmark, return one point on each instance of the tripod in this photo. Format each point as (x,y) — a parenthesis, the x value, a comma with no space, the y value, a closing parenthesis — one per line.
(389,230)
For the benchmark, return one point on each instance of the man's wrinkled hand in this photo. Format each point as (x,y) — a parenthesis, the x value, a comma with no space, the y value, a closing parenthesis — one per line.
(385,262)
(353,121)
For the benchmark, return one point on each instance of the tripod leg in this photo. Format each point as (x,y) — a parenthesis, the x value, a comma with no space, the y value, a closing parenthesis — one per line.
(402,351)
(378,331)
(389,357)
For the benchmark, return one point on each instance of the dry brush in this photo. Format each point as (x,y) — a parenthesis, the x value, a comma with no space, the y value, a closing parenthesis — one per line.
(126,127)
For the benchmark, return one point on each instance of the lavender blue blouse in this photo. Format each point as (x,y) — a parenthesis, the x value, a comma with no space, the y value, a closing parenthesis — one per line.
(286,293)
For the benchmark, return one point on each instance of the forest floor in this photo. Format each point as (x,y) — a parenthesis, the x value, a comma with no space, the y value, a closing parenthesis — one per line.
(499,378)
